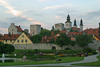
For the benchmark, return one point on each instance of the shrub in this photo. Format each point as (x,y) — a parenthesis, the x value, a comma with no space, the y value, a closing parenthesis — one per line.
(89,50)
(6,48)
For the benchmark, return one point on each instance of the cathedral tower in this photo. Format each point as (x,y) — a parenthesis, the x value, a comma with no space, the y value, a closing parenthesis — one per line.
(68,24)
(81,25)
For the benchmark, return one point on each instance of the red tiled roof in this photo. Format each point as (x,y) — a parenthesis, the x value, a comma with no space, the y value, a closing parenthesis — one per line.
(46,39)
(11,37)
(74,28)
(63,31)
(19,28)
(92,31)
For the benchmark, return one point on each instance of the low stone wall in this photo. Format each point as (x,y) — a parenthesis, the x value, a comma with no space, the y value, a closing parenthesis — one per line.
(36,46)
(94,45)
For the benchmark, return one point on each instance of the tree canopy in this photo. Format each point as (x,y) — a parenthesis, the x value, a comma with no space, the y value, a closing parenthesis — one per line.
(45,32)
(83,40)
(56,32)
(36,38)
(63,40)
(6,48)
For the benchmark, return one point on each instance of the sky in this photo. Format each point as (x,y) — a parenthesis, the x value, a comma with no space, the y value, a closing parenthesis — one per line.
(48,12)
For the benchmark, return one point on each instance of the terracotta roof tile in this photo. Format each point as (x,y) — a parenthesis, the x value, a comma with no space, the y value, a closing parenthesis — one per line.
(74,28)
(12,37)
(19,28)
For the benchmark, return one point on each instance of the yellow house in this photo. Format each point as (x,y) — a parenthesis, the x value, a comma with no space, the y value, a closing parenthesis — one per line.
(23,39)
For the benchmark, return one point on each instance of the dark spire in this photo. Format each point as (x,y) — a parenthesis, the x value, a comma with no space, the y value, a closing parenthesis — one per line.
(81,22)
(68,18)
(75,23)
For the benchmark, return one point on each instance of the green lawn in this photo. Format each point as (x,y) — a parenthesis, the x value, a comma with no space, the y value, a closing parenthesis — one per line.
(97,63)
(63,60)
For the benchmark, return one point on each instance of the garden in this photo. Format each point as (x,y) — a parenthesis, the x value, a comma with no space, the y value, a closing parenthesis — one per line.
(36,56)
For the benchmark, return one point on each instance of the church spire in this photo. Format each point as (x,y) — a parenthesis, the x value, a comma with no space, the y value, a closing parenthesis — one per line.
(75,23)
(68,18)
(81,22)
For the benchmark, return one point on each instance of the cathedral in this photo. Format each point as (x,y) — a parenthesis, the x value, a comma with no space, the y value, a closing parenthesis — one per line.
(68,25)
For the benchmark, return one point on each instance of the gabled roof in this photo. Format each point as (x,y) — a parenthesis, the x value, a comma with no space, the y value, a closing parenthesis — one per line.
(25,37)
(19,29)
(11,37)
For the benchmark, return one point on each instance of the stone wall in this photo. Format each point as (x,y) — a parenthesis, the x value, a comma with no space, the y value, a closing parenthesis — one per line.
(36,46)
(95,45)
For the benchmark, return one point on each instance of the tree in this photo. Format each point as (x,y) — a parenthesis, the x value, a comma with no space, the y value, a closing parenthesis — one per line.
(62,40)
(71,30)
(52,28)
(73,43)
(26,31)
(56,32)
(6,48)
(83,40)
(45,32)
(36,38)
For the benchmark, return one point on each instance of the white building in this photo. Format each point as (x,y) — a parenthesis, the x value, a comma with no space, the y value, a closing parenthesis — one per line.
(13,29)
(35,29)
(59,26)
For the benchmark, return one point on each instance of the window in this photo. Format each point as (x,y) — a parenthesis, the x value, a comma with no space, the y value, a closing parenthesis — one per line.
(22,35)
(10,40)
(6,40)
(22,41)
(14,36)
(25,40)
(17,40)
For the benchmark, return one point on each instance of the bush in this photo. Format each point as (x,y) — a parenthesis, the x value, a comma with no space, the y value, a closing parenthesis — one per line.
(89,50)
(6,48)
(67,48)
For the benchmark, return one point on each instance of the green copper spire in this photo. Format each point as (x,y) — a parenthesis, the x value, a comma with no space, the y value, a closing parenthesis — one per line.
(68,18)
(81,22)
(75,23)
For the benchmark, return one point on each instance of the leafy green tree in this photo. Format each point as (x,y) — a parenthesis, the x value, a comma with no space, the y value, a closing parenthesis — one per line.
(26,31)
(45,32)
(71,30)
(72,43)
(52,28)
(63,40)
(36,38)
(75,30)
(42,28)
(6,48)
(83,40)
(56,32)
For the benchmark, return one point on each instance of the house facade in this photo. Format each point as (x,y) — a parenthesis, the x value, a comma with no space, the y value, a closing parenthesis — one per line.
(13,29)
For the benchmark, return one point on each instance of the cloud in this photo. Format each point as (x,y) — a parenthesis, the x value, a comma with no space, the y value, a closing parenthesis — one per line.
(11,9)
(58,6)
